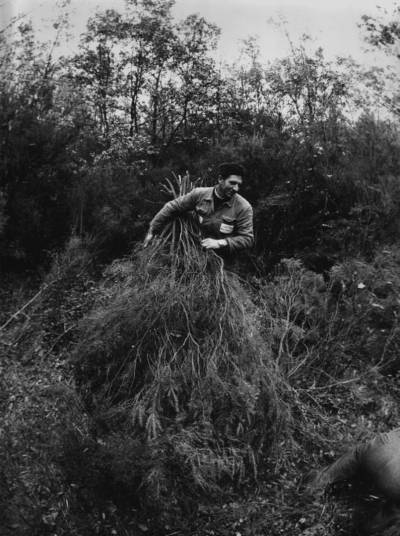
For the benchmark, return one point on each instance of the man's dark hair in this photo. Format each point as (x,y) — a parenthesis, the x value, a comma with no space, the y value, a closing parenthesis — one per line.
(230,168)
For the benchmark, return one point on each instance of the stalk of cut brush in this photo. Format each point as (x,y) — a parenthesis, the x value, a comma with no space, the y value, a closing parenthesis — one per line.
(182,236)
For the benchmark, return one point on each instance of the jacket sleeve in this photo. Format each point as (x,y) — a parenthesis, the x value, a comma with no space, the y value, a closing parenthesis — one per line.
(244,235)
(344,468)
(173,208)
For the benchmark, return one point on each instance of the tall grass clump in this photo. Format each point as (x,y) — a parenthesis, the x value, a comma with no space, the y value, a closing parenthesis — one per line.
(181,386)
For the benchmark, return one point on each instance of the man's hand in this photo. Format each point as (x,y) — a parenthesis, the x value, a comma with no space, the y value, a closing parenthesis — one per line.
(210,243)
(148,239)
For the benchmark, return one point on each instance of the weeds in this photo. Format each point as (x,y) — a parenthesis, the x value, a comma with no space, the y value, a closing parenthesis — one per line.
(182,380)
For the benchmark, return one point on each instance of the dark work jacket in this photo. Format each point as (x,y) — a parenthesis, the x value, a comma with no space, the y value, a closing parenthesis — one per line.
(380,459)
(233,220)
(377,459)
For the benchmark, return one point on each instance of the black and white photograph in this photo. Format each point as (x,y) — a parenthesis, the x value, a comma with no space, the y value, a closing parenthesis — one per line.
(199,268)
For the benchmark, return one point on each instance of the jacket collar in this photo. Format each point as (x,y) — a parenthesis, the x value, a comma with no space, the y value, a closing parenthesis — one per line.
(228,202)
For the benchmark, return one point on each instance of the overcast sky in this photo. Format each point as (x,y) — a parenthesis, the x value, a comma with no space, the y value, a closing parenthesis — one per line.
(331,23)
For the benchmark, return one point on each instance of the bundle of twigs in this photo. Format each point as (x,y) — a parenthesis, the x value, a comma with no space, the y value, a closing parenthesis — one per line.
(172,365)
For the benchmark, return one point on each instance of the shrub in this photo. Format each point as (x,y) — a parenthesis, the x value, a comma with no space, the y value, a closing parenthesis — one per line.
(38,404)
(352,314)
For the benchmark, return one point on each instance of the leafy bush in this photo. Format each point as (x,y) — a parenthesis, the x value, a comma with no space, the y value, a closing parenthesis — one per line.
(368,299)
(351,314)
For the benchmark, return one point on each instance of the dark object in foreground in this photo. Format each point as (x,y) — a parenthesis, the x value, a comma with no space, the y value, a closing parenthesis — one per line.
(377,461)
(372,466)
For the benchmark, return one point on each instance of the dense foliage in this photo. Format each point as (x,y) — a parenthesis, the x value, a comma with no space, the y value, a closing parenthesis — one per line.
(87,138)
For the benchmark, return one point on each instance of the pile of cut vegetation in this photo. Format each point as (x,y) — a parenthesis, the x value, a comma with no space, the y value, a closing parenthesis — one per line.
(181,386)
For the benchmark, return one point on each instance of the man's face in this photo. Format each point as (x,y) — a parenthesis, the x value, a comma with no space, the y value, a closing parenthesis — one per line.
(228,187)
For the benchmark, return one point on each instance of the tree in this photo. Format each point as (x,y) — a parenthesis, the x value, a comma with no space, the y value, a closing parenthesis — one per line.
(34,168)
(96,68)
(146,58)
(196,78)
(383,32)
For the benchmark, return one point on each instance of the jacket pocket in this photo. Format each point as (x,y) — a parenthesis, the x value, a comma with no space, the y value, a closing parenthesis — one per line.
(227,225)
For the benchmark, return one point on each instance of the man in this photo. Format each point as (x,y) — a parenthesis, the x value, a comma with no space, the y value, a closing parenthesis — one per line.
(224,217)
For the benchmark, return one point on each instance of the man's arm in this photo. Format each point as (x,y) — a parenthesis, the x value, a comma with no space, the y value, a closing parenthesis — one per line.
(344,468)
(244,235)
(169,211)
(172,209)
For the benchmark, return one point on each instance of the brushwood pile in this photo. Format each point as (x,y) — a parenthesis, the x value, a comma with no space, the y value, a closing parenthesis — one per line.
(181,387)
